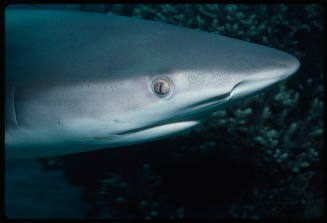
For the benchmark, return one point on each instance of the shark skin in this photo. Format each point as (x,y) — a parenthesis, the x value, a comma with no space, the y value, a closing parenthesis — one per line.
(82,81)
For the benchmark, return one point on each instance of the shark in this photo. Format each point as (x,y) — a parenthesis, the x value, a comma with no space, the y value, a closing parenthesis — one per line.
(84,81)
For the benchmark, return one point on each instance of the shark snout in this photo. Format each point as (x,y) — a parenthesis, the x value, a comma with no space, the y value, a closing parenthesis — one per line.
(281,69)
(288,67)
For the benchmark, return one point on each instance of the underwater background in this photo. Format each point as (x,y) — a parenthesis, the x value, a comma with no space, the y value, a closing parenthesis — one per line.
(259,159)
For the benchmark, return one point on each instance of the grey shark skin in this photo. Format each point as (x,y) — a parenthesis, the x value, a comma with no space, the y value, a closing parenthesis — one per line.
(78,81)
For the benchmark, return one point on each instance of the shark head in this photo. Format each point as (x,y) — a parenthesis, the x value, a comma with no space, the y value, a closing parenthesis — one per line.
(191,80)
(128,81)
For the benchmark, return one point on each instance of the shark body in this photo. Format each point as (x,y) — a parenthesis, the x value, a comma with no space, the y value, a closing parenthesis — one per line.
(78,81)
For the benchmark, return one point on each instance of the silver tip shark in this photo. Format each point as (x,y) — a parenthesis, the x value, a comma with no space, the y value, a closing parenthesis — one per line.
(81,81)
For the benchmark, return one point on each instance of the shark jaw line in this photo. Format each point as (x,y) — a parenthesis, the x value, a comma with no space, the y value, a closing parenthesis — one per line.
(160,131)
(177,123)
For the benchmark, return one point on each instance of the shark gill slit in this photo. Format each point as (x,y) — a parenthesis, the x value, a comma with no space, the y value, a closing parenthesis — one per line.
(14,106)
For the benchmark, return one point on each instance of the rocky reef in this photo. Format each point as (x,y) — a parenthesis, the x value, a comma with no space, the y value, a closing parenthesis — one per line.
(258,159)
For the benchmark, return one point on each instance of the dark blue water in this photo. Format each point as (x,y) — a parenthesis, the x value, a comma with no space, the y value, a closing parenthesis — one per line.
(31,192)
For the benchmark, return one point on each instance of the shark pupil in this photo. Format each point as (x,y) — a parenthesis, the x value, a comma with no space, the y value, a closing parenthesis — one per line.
(161,87)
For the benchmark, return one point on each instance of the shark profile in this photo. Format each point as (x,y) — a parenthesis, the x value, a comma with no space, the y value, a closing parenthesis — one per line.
(81,81)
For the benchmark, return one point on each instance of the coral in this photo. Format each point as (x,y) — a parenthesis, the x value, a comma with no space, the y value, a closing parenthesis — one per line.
(134,198)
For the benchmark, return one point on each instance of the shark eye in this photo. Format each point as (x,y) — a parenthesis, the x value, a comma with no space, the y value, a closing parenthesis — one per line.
(162,87)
